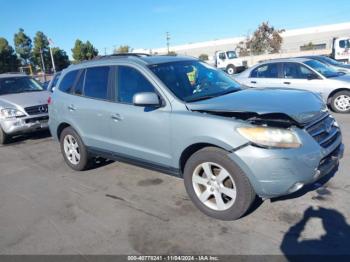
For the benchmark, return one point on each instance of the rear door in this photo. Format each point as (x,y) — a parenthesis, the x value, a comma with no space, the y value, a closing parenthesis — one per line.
(87,105)
(265,75)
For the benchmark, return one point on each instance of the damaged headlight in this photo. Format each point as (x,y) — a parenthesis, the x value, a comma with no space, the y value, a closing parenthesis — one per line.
(8,113)
(271,137)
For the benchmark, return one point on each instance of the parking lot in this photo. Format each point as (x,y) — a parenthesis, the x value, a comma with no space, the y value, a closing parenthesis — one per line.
(46,208)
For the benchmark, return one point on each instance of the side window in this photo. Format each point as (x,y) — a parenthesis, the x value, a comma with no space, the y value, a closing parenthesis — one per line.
(130,82)
(67,82)
(96,82)
(266,71)
(78,90)
(222,56)
(342,44)
(296,71)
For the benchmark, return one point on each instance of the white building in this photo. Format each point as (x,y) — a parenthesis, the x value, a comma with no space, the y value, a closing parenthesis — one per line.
(293,41)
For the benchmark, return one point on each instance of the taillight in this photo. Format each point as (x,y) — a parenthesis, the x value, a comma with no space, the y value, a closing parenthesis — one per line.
(49,100)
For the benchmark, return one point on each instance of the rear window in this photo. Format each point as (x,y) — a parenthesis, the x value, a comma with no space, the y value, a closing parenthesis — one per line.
(68,80)
(266,71)
(96,82)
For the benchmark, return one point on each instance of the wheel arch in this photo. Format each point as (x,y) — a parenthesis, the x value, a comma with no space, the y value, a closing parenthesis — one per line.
(60,128)
(191,149)
(330,96)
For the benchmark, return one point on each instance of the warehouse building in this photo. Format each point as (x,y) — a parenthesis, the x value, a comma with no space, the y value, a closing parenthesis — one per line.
(319,39)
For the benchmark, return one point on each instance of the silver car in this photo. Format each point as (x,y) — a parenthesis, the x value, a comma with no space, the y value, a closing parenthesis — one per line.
(302,73)
(23,106)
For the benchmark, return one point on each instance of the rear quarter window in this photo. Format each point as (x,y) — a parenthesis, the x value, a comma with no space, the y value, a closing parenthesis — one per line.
(68,81)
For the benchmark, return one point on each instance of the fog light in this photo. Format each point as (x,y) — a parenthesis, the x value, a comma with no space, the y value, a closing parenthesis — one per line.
(317,174)
(295,187)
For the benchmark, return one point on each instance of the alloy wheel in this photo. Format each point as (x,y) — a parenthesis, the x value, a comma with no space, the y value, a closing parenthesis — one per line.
(214,186)
(342,103)
(71,149)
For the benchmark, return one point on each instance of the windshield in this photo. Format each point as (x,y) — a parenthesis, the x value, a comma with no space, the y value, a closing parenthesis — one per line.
(330,61)
(231,54)
(323,69)
(193,80)
(15,85)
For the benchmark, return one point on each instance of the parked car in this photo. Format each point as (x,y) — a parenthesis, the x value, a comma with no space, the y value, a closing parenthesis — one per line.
(302,73)
(53,82)
(227,143)
(23,106)
(331,62)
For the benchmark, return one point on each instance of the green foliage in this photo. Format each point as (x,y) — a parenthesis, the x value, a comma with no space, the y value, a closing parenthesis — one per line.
(266,39)
(173,53)
(41,44)
(309,46)
(123,49)
(204,57)
(8,59)
(83,51)
(61,58)
(23,46)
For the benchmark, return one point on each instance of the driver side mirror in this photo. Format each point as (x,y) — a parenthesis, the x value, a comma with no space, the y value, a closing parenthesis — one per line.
(146,99)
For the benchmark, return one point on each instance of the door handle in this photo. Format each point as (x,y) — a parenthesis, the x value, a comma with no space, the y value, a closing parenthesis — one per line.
(72,108)
(253,82)
(116,117)
(286,83)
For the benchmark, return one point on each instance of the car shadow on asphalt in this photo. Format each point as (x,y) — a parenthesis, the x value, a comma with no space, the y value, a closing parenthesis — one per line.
(25,137)
(335,240)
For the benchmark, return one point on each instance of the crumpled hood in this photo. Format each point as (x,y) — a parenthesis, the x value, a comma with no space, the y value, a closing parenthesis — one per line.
(23,100)
(301,106)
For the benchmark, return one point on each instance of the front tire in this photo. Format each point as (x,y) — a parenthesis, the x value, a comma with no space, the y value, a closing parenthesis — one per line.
(4,138)
(340,102)
(217,185)
(73,150)
(231,70)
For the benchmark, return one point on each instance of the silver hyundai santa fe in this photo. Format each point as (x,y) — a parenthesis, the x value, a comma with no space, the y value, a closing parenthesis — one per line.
(23,106)
(183,117)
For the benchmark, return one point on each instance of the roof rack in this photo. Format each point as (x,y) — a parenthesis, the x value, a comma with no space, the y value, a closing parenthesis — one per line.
(115,55)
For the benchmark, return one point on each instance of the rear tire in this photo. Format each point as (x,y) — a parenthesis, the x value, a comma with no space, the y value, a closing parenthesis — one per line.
(228,195)
(340,102)
(73,150)
(4,138)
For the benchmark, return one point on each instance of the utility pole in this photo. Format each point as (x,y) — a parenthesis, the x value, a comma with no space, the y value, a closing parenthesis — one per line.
(42,62)
(167,41)
(52,60)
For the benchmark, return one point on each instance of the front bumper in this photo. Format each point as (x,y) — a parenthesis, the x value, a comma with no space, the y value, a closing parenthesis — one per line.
(25,125)
(278,172)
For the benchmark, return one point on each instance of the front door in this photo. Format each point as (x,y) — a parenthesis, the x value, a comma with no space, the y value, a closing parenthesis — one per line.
(138,132)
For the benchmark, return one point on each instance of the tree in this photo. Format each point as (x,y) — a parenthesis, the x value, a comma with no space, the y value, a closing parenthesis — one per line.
(61,58)
(8,58)
(83,51)
(123,49)
(204,57)
(23,46)
(266,39)
(41,45)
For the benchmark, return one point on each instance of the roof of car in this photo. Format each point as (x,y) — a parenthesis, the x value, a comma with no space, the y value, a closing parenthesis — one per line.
(136,58)
(292,59)
(8,75)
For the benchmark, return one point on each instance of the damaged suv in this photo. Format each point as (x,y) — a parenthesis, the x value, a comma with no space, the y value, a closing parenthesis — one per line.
(180,116)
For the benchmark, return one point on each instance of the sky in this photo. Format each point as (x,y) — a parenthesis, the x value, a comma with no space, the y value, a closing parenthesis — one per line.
(144,23)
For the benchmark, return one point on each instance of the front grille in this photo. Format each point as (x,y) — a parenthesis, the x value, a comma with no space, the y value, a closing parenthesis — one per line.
(37,110)
(325,130)
(42,119)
